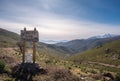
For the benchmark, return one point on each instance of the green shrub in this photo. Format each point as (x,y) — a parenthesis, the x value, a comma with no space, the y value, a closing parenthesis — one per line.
(117,77)
(2,65)
(10,79)
(93,71)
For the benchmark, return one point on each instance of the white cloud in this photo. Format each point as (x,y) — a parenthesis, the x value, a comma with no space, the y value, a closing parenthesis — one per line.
(61,28)
(51,25)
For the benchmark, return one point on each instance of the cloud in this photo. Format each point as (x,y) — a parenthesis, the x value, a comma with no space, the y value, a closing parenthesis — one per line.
(62,28)
(53,18)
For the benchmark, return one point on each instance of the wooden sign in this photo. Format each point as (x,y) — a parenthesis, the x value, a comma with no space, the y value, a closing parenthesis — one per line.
(29,35)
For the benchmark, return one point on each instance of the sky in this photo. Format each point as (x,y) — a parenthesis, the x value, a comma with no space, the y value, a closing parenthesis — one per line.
(61,19)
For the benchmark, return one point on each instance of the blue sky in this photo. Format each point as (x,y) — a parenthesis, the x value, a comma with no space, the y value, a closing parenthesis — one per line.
(61,19)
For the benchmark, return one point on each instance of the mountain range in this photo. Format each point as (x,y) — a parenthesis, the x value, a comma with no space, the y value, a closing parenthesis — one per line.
(109,53)
(47,41)
(80,45)
(52,41)
(103,36)
(8,38)
(90,57)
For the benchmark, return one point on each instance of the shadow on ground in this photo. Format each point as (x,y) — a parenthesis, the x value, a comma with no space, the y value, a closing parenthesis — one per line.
(26,71)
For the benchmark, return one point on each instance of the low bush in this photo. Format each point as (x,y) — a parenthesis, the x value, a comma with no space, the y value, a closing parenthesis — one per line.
(117,77)
(2,66)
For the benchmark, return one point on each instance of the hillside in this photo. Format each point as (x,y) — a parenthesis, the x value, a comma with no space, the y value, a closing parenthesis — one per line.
(108,53)
(58,68)
(8,38)
(80,45)
(52,50)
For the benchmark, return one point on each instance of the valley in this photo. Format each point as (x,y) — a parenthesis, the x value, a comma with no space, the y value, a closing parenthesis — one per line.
(76,60)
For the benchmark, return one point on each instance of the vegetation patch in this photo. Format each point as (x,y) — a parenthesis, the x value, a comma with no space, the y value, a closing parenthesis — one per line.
(2,66)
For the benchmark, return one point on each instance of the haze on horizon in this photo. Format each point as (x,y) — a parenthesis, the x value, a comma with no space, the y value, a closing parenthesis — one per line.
(61,19)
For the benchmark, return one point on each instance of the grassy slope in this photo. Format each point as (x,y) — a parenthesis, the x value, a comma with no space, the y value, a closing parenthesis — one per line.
(99,55)
(78,46)
(47,58)
(7,38)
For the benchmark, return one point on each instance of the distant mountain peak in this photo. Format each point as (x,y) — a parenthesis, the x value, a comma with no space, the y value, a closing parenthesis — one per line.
(103,36)
(53,41)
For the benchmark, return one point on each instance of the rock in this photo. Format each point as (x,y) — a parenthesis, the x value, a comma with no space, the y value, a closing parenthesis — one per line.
(108,77)
(25,71)
(107,50)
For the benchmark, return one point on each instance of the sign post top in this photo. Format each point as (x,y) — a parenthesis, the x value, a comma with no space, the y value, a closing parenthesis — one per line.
(31,35)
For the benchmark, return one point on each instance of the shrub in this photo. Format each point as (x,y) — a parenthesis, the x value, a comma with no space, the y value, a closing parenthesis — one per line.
(93,71)
(117,77)
(2,65)
(10,79)
(64,75)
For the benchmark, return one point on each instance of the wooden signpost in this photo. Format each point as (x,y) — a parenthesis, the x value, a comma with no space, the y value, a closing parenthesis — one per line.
(29,36)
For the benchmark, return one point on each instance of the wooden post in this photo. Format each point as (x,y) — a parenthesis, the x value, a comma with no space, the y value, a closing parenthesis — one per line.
(34,51)
(30,36)
(24,49)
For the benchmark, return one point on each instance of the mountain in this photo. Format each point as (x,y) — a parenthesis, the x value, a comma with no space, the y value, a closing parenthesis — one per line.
(80,45)
(103,36)
(57,68)
(8,38)
(109,53)
(53,49)
(52,41)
